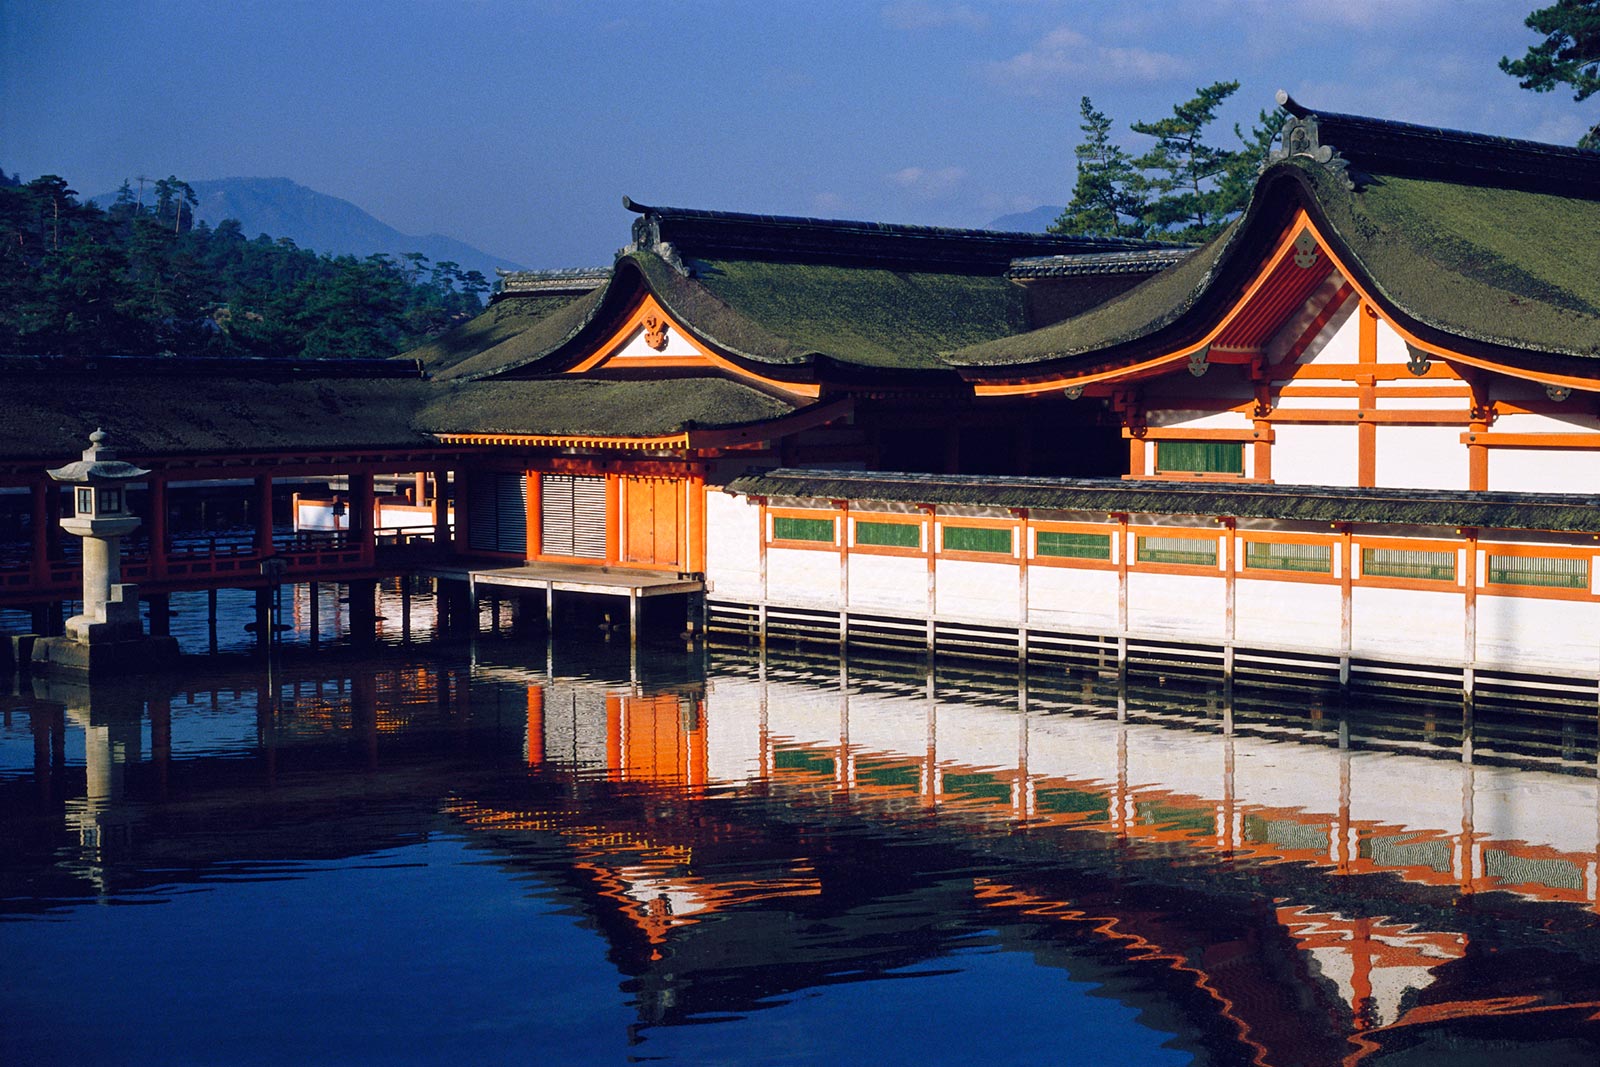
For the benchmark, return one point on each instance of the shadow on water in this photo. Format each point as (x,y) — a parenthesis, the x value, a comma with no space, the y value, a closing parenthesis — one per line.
(504,845)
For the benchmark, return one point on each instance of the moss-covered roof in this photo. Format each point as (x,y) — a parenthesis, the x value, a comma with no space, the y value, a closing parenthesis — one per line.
(581,406)
(868,317)
(50,416)
(1318,504)
(1510,271)
(511,331)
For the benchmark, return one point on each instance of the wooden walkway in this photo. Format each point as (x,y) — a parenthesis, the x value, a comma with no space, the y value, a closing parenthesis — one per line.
(552,578)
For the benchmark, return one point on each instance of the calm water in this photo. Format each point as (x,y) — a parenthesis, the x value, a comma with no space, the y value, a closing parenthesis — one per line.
(506,851)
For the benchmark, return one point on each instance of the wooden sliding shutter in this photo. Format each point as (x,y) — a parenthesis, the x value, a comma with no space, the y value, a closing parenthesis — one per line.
(572,516)
(497,508)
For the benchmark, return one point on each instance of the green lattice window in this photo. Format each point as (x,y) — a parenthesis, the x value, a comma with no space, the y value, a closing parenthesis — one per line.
(1263,556)
(1408,563)
(786,528)
(1188,551)
(1203,457)
(1553,572)
(1073,545)
(977,539)
(889,534)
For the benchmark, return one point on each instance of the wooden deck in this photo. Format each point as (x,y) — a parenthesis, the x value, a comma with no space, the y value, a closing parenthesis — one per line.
(552,578)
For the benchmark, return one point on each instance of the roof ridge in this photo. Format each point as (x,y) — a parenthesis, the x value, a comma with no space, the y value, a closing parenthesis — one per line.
(696,233)
(1384,146)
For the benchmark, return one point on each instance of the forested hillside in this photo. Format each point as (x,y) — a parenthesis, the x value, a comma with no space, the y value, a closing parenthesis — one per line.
(144,278)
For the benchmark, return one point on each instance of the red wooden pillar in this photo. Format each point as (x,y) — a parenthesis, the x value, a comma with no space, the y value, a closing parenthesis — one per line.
(157,496)
(43,528)
(441,506)
(361,516)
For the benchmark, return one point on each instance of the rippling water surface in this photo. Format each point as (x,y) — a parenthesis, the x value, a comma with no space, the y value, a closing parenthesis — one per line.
(505,850)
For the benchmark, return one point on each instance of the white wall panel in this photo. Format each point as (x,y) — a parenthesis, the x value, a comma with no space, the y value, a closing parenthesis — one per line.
(1543,470)
(1314,455)
(1066,598)
(733,546)
(1395,623)
(803,577)
(1421,457)
(1524,632)
(1177,604)
(1286,613)
(978,590)
(897,584)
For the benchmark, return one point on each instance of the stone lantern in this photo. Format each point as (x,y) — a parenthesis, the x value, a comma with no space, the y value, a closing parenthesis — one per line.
(109,633)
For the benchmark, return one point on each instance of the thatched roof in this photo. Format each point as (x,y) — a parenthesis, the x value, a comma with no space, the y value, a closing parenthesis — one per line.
(1317,504)
(1480,243)
(579,406)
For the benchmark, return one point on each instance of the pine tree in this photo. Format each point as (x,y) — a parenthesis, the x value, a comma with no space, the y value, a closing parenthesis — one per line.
(1181,174)
(1569,54)
(1103,201)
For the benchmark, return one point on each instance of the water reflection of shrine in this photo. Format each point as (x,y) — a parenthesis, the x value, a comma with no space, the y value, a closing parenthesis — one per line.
(1301,893)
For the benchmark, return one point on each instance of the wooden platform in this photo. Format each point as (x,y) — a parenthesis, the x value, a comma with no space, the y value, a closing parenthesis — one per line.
(552,578)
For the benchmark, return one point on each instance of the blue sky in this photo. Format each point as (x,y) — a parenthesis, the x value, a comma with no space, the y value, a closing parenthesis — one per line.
(518,126)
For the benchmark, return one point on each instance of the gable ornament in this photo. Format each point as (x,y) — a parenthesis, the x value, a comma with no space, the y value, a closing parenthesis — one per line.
(1300,139)
(655,331)
(1305,250)
(1558,393)
(1198,364)
(1419,362)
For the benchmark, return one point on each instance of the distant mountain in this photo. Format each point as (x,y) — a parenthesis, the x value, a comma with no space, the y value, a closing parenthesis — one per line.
(1033,221)
(326,224)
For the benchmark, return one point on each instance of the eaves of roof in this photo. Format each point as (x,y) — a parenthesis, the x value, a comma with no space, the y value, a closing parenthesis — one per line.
(1288,503)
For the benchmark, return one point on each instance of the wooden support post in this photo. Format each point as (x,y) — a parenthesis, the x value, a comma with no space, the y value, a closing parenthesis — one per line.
(263,515)
(156,523)
(441,509)
(361,517)
(41,529)
(211,618)
(633,618)
(363,612)
(160,614)
(405,607)
(550,607)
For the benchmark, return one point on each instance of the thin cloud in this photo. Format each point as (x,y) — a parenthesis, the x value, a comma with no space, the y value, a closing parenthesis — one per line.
(928,184)
(1066,58)
(921,15)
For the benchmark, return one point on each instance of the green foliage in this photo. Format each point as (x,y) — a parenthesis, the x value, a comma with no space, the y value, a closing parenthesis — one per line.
(1104,203)
(1182,189)
(1568,55)
(142,277)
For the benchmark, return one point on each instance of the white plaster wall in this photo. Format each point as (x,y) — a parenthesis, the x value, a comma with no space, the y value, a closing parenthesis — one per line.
(1284,339)
(1421,457)
(1529,633)
(803,577)
(733,547)
(897,584)
(733,729)
(1396,623)
(1197,420)
(1314,455)
(1179,605)
(1066,598)
(1338,342)
(1574,422)
(1286,613)
(1391,346)
(636,348)
(1543,470)
(986,591)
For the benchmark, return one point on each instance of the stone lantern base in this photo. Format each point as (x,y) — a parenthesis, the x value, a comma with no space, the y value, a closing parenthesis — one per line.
(114,642)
